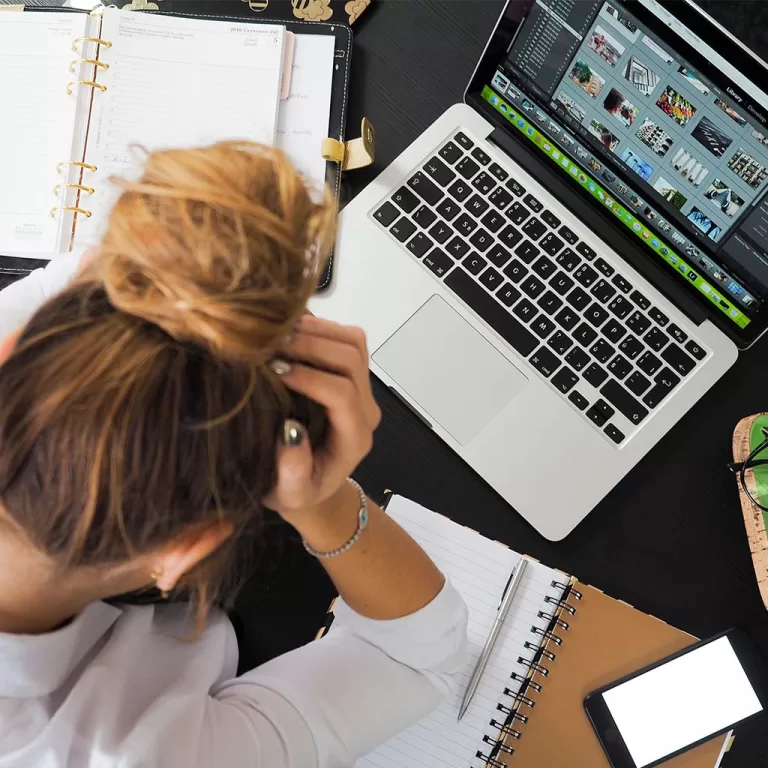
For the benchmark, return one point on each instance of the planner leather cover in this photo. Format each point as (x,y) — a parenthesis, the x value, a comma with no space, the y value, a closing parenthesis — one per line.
(606,639)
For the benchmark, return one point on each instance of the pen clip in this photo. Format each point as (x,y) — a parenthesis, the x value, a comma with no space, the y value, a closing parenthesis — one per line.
(509,581)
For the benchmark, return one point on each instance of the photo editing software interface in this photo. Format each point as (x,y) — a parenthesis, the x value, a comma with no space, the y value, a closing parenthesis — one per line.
(681,162)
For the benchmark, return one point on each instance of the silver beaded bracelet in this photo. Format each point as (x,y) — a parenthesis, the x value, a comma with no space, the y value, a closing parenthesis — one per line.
(362,524)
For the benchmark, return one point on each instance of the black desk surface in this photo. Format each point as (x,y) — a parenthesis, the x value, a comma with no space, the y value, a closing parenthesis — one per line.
(670,538)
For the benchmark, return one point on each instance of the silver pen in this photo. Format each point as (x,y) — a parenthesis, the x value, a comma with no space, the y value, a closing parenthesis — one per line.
(506,602)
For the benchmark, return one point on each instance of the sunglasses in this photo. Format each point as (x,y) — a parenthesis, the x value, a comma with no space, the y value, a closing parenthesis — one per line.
(757,458)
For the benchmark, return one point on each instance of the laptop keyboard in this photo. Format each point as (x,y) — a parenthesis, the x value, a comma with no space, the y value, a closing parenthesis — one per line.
(569,312)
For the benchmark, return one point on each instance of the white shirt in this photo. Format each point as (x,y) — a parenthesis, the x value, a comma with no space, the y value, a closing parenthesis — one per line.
(121,687)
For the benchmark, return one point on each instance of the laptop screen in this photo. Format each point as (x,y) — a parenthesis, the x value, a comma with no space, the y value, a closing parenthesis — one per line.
(608,91)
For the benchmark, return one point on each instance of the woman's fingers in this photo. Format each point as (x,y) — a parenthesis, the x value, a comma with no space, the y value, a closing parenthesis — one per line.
(350,334)
(294,486)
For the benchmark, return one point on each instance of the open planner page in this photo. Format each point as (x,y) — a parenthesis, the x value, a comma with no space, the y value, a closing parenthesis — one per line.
(479,569)
(176,82)
(38,126)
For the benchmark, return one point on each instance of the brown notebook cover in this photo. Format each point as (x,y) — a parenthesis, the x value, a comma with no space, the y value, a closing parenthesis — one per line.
(605,640)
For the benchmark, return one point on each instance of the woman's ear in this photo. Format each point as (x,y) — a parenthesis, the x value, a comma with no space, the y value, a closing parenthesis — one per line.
(7,344)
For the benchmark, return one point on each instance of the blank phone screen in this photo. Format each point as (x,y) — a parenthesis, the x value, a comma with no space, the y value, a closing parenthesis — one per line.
(681,702)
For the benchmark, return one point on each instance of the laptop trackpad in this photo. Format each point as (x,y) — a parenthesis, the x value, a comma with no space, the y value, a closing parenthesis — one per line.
(450,370)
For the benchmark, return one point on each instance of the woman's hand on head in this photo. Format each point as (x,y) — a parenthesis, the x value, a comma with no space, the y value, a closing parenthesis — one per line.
(330,366)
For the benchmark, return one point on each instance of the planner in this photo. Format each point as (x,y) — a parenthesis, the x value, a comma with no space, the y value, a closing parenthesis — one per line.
(560,641)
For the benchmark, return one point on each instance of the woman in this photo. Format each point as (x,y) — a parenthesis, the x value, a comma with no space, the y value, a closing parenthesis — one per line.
(147,412)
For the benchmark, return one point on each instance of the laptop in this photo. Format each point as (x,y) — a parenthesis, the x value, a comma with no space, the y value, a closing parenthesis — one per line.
(559,268)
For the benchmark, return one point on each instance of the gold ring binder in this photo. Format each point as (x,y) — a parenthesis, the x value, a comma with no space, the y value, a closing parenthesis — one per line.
(87,166)
(89,190)
(96,40)
(72,208)
(90,83)
(95,62)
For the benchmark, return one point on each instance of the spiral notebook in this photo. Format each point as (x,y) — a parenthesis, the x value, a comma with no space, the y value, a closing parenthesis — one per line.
(561,640)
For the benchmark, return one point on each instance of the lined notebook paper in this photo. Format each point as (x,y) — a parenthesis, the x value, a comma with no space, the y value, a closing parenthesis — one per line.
(479,569)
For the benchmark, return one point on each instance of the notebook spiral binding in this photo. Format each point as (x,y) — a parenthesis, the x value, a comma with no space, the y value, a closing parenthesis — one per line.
(515,716)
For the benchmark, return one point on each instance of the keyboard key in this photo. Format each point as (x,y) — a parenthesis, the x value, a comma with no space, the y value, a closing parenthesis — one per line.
(498,256)
(493,221)
(422,186)
(465,225)
(620,366)
(532,286)
(515,271)
(550,303)
(544,361)
(387,214)
(578,359)
(483,182)
(578,299)
(568,235)
(508,294)
(637,383)
(567,318)
(482,240)
(587,252)
(405,199)
(578,400)
(603,291)
(440,231)
(476,206)
(425,217)
(613,331)
(560,342)
(601,265)
(439,171)
(596,315)
(515,187)
(491,279)
(419,244)
(460,190)
(542,326)
(655,339)
(678,334)
(517,213)
(525,310)
(677,360)
(602,351)
(595,375)
(449,209)
(640,300)
(649,363)
(658,316)
(565,380)
(500,198)
(585,275)
(600,412)
(467,167)
(695,350)
(568,260)
(585,335)
(544,267)
(550,219)
(450,153)
(551,244)
(534,228)
(631,347)
(638,323)
(457,247)
(561,283)
(532,203)
(498,172)
(527,251)
(614,433)
(480,156)
(474,263)
(621,307)
(509,236)
(666,381)
(403,229)
(623,285)
(464,141)
(623,401)
(493,313)
(439,262)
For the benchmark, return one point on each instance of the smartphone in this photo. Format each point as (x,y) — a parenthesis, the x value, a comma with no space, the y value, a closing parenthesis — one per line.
(679,702)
